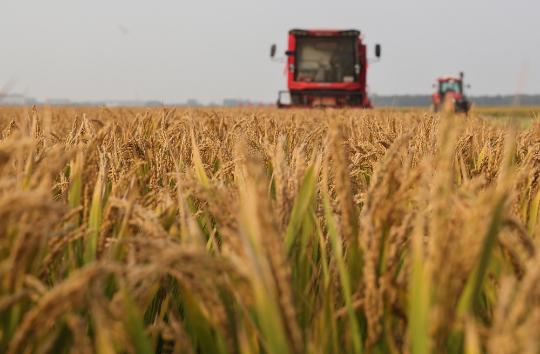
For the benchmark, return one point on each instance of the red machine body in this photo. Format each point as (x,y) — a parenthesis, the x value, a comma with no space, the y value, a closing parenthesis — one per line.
(326,68)
(450,95)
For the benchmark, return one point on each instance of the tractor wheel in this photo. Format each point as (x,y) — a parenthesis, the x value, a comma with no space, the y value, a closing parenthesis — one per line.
(463,107)
(468,106)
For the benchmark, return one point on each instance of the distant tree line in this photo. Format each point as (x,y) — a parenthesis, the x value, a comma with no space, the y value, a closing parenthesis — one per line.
(425,100)
(378,101)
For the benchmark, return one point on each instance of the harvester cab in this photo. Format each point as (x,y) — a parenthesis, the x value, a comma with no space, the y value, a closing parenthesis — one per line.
(450,95)
(325,68)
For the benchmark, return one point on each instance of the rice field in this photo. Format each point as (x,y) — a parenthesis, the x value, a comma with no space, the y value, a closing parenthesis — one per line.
(261,231)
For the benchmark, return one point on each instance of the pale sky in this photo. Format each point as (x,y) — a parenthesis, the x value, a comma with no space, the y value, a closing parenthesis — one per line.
(209,50)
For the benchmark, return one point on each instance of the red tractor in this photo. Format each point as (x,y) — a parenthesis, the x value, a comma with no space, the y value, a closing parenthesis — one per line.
(326,68)
(450,95)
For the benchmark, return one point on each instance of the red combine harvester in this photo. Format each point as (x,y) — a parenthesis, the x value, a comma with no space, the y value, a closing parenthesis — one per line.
(326,68)
(450,95)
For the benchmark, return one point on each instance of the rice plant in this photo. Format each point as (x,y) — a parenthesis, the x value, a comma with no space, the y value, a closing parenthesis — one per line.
(260,231)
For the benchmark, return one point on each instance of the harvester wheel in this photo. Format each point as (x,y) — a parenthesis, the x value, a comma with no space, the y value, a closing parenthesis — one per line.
(296,99)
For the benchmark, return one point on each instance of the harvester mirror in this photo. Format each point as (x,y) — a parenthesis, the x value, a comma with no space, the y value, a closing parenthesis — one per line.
(377,50)
(273,49)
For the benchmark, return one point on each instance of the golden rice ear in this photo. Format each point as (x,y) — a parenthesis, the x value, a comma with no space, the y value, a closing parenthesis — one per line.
(197,163)
(271,277)
(339,152)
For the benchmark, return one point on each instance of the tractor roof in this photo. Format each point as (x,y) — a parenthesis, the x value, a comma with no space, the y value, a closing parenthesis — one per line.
(325,32)
(448,78)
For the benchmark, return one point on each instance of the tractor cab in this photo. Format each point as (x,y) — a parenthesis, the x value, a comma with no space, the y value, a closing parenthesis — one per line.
(450,84)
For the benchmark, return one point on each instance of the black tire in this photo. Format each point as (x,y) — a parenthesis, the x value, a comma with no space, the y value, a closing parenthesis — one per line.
(463,106)
(296,99)
(355,101)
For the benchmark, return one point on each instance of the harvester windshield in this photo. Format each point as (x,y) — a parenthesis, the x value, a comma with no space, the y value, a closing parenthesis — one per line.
(325,59)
